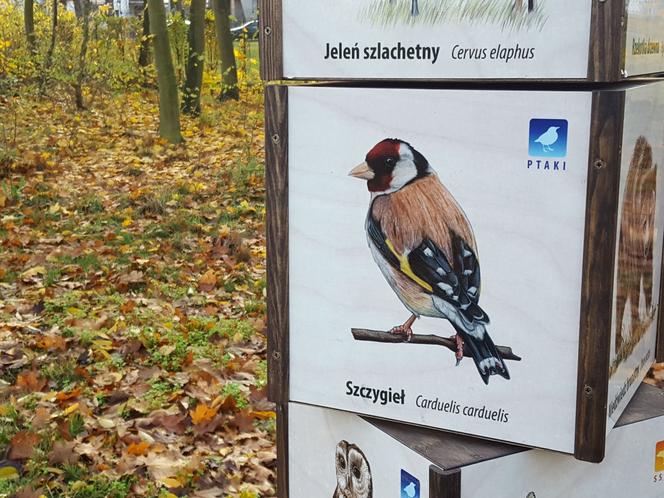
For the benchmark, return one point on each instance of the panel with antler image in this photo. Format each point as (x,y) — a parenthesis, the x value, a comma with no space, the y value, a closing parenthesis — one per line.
(462,39)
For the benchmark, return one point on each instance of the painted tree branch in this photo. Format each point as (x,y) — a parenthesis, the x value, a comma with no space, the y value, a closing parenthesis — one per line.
(447,342)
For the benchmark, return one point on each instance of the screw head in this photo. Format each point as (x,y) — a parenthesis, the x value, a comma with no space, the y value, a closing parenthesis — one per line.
(587,390)
(267,30)
(276,138)
(276,355)
(599,164)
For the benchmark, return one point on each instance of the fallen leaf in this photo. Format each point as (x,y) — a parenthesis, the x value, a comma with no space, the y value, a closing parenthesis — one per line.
(71,409)
(202,414)
(63,453)
(9,472)
(23,445)
(67,395)
(138,449)
(30,381)
(208,281)
(32,272)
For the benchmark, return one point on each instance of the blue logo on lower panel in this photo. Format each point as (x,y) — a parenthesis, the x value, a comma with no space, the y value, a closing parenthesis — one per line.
(548,138)
(410,486)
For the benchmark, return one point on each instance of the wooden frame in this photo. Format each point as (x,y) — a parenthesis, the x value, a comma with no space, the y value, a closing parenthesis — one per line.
(597,284)
(605,64)
(604,166)
(276,181)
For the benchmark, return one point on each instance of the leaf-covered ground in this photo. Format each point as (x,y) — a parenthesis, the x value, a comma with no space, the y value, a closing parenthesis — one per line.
(132,315)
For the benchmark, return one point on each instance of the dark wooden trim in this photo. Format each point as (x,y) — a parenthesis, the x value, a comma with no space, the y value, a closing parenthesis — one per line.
(282,451)
(608,31)
(443,483)
(599,254)
(270,40)
(659,344)
(276,184)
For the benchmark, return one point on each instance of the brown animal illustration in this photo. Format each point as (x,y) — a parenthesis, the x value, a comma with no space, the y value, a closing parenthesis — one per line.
(518,5)
(414,7)
(635,249)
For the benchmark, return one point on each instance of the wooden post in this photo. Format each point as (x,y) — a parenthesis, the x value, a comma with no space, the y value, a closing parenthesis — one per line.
(276,182)
(598,275)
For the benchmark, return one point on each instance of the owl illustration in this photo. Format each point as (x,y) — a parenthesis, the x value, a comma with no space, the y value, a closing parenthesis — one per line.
(353,472)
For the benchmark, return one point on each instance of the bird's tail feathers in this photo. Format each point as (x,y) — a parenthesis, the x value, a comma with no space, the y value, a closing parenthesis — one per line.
(486,356)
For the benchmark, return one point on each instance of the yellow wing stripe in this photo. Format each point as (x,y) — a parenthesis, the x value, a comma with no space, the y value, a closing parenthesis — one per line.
(404,265)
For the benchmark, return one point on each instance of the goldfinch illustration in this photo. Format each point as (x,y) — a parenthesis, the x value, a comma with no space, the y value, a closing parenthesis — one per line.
(425,248)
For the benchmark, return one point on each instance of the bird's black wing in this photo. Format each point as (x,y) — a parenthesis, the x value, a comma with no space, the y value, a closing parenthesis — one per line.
(458,285)
(381,243)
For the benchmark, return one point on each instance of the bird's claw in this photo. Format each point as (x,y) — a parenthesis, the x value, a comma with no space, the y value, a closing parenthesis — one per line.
(403,330)
(459,349)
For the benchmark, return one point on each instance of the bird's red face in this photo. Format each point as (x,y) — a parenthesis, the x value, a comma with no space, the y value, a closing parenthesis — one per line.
(390,165)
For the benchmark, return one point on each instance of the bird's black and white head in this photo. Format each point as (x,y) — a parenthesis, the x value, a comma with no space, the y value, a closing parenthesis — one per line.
(390,165)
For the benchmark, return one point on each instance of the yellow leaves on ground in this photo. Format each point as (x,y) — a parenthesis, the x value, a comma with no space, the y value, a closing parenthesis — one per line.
(208,281)
(138,449)
(133,281)
(202,414)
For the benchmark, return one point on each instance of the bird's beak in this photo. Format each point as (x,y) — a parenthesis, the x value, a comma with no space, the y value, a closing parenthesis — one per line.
(362,171)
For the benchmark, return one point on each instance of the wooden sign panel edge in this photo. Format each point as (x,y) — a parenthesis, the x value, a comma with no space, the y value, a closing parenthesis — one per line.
(604,163)
(608,32)
(443,483)
(270,40)
(276,184)
(282,451)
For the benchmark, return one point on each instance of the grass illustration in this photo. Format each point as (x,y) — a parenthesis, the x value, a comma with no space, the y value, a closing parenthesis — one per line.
(502,13)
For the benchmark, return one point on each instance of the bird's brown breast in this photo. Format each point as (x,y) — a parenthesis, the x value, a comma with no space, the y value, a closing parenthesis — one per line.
(424,209)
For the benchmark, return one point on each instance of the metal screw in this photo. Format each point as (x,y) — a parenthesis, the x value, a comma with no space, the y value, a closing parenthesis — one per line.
(276,355)
(588,391)
(276,138)
(267,30)
(531,495)
(599,164)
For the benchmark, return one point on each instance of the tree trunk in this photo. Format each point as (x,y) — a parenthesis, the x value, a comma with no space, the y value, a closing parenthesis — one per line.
(79,8)
(48,61)
(54,27)
(29,21)
(78,87)
(229,87)
(194,73)
(238,12)
(144,53)
(169,110)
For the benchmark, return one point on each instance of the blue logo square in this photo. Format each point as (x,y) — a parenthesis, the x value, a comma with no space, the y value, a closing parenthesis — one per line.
(410,486)
(548,138)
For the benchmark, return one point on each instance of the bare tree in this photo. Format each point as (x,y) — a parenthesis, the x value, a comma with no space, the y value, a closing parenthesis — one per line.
(29,22)
(169,109)
(191,101)
(85,20)
(229,84)
(144,52)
